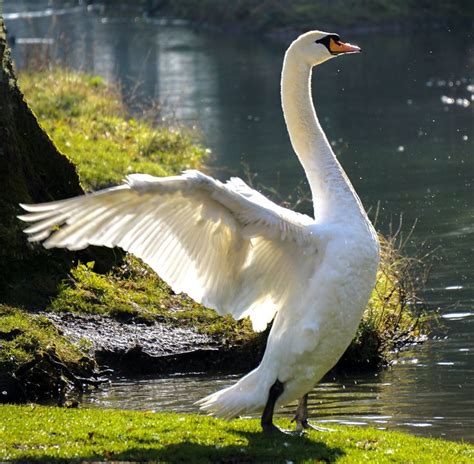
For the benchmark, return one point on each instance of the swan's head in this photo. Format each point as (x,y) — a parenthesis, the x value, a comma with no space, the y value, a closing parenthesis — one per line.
(316,47)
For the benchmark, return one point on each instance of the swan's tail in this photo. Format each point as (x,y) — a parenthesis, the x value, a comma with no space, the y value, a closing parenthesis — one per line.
(248,395)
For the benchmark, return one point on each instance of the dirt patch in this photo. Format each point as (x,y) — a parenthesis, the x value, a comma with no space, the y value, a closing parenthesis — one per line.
(107,334)
(157,348)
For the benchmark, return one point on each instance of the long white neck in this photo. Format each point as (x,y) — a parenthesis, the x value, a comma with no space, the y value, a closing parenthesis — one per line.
(332,191)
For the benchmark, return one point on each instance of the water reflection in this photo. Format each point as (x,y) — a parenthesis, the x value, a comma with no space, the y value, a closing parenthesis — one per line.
(400,118)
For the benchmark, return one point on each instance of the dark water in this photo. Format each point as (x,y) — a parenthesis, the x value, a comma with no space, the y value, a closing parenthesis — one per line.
(400,118)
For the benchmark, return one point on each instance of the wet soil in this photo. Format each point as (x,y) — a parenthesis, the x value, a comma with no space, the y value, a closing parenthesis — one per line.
(156,348)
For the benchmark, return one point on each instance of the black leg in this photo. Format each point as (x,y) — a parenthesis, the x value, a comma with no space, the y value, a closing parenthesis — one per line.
(267,417)
(301,417)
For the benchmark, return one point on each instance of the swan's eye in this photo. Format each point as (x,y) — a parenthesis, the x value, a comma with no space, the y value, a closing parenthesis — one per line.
(327,40)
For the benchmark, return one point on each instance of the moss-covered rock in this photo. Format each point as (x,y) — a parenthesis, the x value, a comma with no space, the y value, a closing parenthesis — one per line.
(38,362)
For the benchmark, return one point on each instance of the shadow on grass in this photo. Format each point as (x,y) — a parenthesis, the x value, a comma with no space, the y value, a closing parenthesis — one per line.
(254,447)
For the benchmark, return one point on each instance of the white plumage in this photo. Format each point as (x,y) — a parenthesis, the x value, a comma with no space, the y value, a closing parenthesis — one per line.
(213,241)
(232,249)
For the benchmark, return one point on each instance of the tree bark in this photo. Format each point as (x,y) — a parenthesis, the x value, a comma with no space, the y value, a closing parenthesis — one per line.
(32,170)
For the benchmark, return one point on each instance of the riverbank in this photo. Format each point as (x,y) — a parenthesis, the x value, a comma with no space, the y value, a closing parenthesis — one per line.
(34,433)
(133,318)
(285,20)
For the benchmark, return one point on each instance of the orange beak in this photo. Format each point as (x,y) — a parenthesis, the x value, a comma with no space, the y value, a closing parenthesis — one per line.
(337,47)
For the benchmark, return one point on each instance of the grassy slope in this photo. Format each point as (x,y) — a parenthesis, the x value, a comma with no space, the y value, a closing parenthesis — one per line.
(87,121)
(53,434)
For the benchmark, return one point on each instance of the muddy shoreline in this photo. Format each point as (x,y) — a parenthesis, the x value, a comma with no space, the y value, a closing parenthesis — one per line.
(136,348)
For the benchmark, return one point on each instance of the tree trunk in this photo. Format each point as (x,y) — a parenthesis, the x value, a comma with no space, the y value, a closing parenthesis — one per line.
(31,170)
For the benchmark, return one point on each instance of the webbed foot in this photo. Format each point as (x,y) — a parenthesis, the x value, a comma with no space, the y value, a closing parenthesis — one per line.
(274,430)
(303,425)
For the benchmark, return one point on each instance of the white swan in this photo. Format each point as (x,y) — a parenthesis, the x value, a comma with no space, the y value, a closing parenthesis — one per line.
(232,249)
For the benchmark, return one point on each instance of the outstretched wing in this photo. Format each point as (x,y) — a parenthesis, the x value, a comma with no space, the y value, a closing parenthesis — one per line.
(225,245)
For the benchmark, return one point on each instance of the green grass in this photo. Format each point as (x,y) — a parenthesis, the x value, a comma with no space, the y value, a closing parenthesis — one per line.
(35,433)
(88,122)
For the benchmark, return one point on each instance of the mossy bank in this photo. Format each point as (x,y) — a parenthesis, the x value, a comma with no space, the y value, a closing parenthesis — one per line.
(38,362)
(34,433)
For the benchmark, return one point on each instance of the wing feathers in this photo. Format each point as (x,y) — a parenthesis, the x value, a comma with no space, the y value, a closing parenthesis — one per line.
(226,245)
